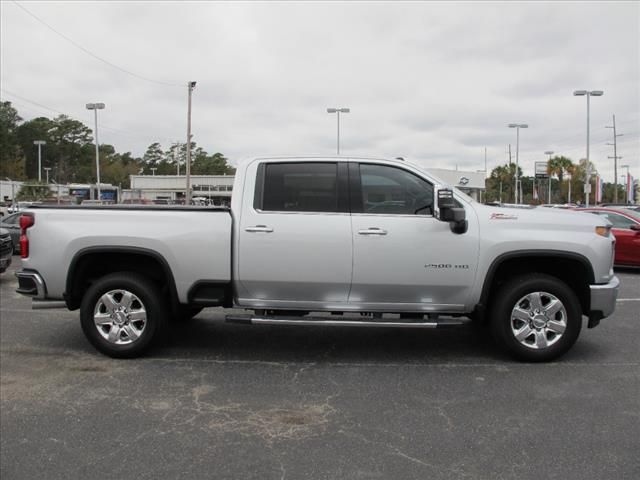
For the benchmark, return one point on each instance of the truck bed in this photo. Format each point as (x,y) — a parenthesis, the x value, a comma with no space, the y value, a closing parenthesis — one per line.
(194,242)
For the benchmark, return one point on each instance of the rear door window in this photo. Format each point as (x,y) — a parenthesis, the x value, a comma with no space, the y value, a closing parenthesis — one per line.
(300,187)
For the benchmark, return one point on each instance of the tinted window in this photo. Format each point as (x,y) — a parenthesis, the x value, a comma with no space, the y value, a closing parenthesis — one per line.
(617,221)
(300,187)
(394,191)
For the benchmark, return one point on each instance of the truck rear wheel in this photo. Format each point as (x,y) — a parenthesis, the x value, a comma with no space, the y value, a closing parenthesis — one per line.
(123,314)
(536,318)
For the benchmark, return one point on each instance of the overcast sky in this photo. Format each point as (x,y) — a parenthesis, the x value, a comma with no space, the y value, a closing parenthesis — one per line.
(433,82)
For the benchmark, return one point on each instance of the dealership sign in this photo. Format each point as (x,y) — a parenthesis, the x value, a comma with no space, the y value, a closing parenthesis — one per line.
(541,170)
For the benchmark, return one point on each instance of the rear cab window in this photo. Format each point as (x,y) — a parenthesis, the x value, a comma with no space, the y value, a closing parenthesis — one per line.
(301,187)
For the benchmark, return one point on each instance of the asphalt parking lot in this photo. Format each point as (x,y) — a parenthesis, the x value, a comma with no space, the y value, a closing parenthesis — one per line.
(242,402)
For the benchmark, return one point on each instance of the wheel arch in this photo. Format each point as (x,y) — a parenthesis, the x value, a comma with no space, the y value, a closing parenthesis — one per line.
(572,268)
(91,263)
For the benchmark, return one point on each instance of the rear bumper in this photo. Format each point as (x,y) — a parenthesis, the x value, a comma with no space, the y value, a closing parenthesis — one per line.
(603,300)
(31,284)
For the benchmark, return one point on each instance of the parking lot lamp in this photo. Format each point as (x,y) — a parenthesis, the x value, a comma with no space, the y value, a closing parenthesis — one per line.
(95,107)
(338,111)
(517,126)
(39,143)
(587,181)
(549,152)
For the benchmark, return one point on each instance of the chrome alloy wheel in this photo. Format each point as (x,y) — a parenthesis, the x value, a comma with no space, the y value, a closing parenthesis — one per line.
(120,317)
(538,320)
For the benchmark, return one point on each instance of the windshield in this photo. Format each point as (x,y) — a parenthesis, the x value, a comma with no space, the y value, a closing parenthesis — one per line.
(633,213)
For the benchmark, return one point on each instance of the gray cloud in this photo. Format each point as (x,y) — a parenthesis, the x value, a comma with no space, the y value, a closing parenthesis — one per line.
(437,82)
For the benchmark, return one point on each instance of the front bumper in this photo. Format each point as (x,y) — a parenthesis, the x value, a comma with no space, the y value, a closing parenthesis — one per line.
(603,300)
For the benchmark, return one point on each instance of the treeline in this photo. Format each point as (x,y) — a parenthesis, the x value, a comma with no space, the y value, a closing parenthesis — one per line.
(69,153)
(567,184)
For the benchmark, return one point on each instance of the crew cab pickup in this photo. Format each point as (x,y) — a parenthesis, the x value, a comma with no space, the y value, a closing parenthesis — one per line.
(325,241)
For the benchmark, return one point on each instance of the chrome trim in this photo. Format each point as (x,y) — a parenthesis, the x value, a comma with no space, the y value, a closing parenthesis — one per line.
(372,231)
(259,228)
(41,289)
(296,212)
(407,215)
(341,323)
(603,297)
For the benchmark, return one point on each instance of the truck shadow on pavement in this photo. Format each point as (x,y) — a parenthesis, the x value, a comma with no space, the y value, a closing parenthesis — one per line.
(206,337)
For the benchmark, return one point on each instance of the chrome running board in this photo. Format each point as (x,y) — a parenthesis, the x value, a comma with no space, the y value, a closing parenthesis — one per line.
(325,322)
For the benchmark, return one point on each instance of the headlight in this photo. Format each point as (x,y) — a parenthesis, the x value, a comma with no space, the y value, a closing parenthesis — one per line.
(603,231)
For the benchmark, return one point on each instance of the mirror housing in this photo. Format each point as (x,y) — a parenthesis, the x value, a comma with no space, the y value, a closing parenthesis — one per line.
(449,212)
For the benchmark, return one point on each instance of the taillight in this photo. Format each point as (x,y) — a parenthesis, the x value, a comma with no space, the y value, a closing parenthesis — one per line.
(26,221)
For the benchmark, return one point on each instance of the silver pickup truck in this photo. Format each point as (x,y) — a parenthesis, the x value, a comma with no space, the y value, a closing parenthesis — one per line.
(325,241)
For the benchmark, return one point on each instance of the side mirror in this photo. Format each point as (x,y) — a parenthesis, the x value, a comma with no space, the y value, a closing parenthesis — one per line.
(448,212)
(635,227)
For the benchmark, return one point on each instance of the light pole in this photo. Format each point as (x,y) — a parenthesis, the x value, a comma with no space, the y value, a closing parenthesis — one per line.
(626,184)
(517,126)
(46,169)
(338,111)
(190,85)
(588,94)
(549,152)
(95,107)
(39,143)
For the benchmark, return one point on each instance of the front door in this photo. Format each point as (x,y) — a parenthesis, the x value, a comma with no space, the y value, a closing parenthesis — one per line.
(404,258)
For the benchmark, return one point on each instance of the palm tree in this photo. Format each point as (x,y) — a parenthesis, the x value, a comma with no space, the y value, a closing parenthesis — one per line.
(559,166)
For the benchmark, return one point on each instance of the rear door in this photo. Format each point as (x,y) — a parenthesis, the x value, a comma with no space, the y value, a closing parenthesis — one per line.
(404,258)
(295,236)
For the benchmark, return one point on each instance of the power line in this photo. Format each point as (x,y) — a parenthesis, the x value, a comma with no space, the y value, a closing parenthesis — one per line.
(77,45)
(122,132)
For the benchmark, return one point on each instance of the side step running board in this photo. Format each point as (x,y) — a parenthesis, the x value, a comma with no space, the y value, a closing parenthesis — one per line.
(324,322)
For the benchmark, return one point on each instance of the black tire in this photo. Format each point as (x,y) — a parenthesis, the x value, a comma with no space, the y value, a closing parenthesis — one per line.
(147,302)
(546,341)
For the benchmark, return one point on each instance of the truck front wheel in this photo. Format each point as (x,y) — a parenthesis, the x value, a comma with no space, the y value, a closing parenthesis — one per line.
(536,318)
(122,314)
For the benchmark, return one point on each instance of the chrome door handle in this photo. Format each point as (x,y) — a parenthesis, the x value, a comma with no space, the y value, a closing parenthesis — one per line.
(259,228)
(372,231)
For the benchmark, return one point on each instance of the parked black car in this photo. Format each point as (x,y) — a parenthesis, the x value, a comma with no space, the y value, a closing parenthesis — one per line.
(6,249)
(12,224)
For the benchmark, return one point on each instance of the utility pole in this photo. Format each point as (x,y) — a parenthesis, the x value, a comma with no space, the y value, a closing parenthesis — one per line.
(615,159)
(175,159)
(190,86)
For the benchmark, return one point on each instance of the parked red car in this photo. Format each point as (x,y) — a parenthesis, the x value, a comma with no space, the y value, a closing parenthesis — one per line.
(626,228)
